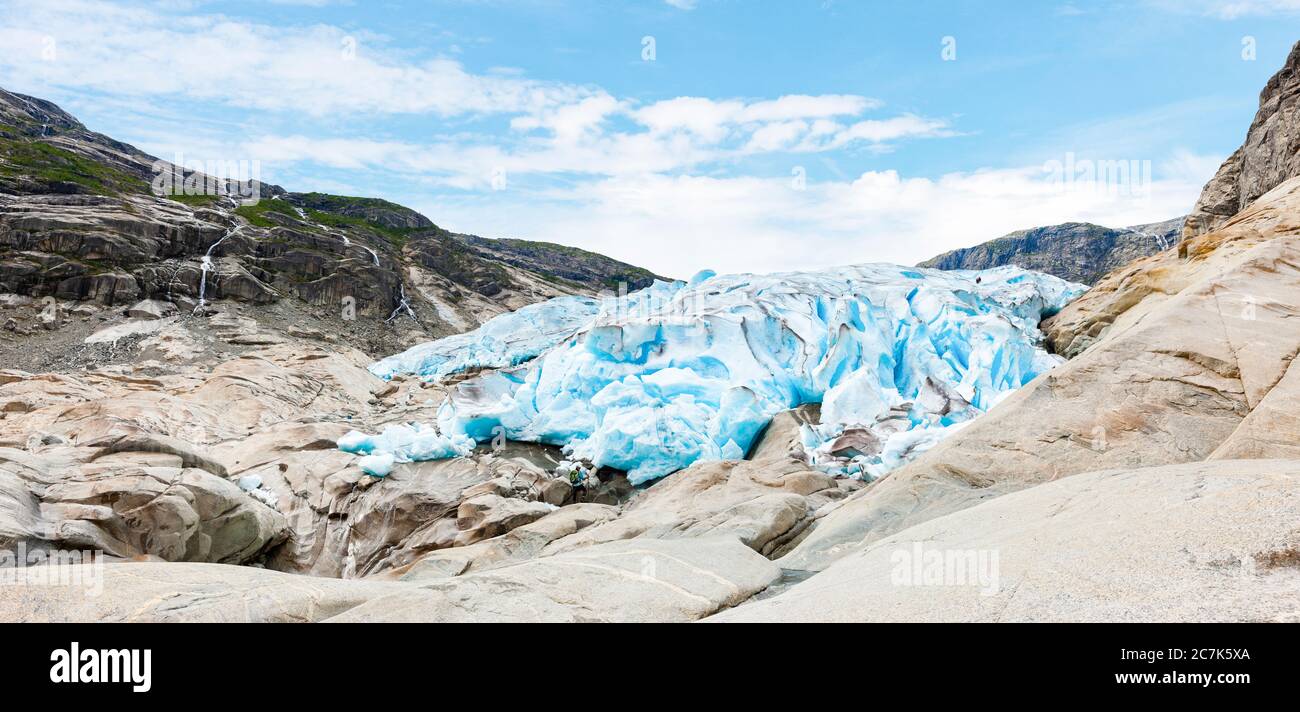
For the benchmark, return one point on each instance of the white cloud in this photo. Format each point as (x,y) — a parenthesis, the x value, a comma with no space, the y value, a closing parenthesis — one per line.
(666,136)
(878,131)
(714,119)
(139,53)
(1233,9)
(682,4)
(676,225)
(573,122)
(802,106)
(319,70)
(777,136)
(574,143)
(1240,8)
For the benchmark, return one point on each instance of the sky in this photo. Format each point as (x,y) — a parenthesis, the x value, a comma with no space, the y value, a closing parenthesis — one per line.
(679,135)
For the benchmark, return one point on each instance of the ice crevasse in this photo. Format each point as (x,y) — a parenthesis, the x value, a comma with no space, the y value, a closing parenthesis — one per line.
(654,381)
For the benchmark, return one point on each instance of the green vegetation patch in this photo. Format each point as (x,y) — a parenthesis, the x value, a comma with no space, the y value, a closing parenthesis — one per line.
(49,164)
(398,237)
(194,201)
(256,214)
(340,203)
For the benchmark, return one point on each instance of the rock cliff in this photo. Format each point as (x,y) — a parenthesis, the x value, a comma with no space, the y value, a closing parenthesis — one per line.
(1269,156)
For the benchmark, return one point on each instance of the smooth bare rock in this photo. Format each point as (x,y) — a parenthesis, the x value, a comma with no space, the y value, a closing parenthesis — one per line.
(156,592)
(627,581)
(623,581)
(1269,156)
(174,343)
(427,506)
(22,393)
(346,523)
(1213,541)
(132,465)
(369,525)
(1181,353)
(763,504)
(189,454)
(176,515)
(20,510)
(1126,296)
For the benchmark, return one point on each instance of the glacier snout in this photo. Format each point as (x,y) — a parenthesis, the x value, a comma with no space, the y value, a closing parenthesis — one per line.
(656,380)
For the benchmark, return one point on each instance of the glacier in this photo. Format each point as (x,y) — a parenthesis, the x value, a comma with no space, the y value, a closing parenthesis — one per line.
(514,337)
(506,340)
(653,381)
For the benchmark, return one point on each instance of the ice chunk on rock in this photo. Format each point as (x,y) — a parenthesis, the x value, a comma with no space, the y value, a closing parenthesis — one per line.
(402,443)
(377,465)
(678,373)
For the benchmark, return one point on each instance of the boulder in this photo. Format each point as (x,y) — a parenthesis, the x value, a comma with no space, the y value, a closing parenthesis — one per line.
(150,309)
(128,507)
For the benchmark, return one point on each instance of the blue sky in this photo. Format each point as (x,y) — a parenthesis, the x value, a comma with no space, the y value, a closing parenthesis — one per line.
(758,135)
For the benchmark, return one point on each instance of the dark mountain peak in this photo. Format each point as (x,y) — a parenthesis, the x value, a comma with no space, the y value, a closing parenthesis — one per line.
(1077,251)
(33,116)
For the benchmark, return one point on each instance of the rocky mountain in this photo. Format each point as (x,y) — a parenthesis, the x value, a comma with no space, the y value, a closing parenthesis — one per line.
(81,222)
(1079,252)
(1269,157)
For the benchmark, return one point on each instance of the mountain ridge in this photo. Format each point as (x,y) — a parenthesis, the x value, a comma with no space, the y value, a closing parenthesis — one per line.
(1076,251)
(81,220)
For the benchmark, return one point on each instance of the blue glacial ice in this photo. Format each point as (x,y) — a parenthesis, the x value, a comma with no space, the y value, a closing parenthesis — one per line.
(654,381)
(404,442)
(507,340)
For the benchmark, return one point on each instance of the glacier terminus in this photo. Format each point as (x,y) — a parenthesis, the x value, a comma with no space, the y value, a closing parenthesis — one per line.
(653,381)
